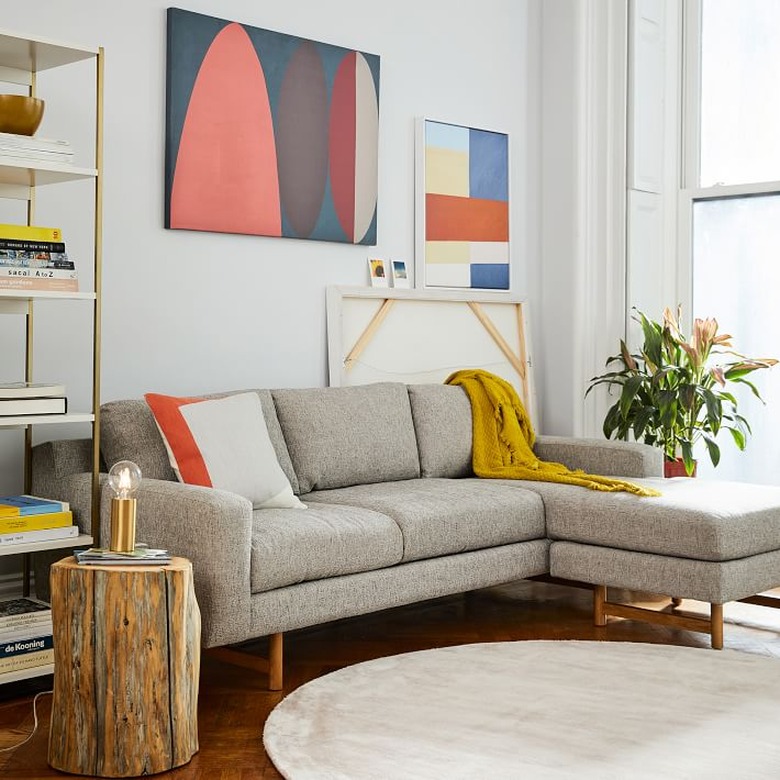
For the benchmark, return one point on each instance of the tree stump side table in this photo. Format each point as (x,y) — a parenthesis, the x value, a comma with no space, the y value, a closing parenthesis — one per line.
(126,668)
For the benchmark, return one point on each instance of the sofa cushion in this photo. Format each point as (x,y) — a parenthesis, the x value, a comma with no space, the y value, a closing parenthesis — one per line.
(292,545)
(341,436)
(223,443)
(128,432)
(694,518)
(442,423)
(445,516)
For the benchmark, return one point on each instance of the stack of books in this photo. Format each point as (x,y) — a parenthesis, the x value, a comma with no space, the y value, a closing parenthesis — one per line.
(34,258)
(25,519)
(33,149)
(141,556)
(20,398)
(25,634)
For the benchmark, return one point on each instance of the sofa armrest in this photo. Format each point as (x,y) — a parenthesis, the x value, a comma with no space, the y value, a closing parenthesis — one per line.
(602,456)
(212,528)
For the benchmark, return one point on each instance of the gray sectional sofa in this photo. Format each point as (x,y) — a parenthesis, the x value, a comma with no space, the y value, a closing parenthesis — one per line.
(395,515)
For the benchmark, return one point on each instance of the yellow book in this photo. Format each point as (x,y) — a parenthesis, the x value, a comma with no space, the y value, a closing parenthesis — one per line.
(30,232)
(35,522)
(14,663)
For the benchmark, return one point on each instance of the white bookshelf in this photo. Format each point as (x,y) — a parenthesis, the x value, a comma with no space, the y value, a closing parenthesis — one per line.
(22,57)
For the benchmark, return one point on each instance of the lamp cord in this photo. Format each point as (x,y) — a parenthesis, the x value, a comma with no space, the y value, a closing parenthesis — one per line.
(35,724)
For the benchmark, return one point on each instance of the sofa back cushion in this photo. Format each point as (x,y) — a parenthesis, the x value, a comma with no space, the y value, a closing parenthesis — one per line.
(341,436)
(128,432)
(442,422)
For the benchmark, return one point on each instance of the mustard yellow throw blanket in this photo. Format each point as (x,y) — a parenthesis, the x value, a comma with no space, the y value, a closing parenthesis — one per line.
(504,437)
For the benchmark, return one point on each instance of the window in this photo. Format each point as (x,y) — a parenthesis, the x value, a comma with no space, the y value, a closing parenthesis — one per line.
(703,214)
(730,203)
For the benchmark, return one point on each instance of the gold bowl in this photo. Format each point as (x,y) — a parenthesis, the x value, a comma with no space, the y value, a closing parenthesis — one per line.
(20,114)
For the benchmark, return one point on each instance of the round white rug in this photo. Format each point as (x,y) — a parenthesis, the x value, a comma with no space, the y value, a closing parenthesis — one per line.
(535,709)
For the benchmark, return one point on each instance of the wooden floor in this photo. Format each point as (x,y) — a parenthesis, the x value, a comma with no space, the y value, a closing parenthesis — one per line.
(234,704)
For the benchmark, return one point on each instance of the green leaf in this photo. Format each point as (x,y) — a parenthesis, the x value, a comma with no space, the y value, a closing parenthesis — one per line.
(713,449)
(628,395)
(739,438)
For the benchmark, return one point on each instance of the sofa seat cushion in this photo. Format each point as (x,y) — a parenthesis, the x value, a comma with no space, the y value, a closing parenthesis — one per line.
(693,518)
(445,516)
(290,546)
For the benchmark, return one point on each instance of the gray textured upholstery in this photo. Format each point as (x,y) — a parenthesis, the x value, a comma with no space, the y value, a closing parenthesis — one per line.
(297,545)
(442,423)
(715,582)
(128,432)
(709,521)
(343,436)
(377,535)
(213,528)
(311,603)
(599,456)
(443,516)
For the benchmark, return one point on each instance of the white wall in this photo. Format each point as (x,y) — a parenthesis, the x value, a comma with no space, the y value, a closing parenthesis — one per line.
(187,312)
(214,311)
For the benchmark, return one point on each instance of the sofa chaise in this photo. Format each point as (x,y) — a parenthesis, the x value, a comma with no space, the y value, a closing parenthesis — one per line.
(394,515)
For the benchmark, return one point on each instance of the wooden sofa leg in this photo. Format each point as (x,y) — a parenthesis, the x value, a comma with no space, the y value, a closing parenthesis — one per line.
(599,597)
(275,662)
(716,625)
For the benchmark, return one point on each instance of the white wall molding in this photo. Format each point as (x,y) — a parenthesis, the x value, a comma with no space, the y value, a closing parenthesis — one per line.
(583,202)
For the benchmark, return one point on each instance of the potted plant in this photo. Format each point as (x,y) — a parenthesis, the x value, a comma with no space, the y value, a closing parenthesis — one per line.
(675,390)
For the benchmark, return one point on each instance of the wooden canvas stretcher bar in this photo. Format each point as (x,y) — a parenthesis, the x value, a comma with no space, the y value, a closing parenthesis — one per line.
(417,336)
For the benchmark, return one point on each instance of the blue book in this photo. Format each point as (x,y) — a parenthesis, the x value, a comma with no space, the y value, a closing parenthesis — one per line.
(30,505)
(15,647)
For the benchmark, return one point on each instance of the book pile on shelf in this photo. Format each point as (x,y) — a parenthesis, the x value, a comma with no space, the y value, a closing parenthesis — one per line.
(141,556)
(33,257)
(29,519)
(33,149)
(25,635)
(23,398)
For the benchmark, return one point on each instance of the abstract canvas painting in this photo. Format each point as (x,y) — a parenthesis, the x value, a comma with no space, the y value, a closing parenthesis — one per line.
(269,134)
(462,207)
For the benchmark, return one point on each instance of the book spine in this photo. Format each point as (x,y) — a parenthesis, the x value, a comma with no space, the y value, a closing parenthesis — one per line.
(36,272)
(28,621)
(27,661)
(10,525)
(30,232)
(42,535)
(24,646)
(29,505)
(31,246)
(22,406)
(25,633)
(50,285)
(22,258)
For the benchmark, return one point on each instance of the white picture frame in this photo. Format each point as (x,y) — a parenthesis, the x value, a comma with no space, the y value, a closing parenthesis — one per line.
(462,208)
(400,274)
(377,272)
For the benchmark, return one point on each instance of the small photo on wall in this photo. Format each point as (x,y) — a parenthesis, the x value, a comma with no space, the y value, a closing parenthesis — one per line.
(400,273)
(378,273)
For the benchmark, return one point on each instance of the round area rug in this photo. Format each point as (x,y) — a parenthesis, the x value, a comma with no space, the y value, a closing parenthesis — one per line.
(535,709)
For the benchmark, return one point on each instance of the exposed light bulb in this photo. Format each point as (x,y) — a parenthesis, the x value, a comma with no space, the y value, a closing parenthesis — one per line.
(124,479)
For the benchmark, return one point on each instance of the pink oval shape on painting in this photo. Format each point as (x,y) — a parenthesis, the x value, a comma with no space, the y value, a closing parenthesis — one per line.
(342,144)
(225,177)
(302,132)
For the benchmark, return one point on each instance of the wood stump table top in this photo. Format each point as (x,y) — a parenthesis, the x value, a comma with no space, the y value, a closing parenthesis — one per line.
(126,668)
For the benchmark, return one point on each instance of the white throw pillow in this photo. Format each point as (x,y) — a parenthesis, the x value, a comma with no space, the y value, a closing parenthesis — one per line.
(223,443)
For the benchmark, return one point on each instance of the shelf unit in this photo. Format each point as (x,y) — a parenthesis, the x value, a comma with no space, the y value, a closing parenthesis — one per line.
(21,59)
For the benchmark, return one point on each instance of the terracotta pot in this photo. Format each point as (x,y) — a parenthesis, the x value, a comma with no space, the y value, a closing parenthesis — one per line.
(676,468)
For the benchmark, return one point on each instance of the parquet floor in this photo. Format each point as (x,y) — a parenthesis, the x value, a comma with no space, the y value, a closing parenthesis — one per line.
(234,703)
